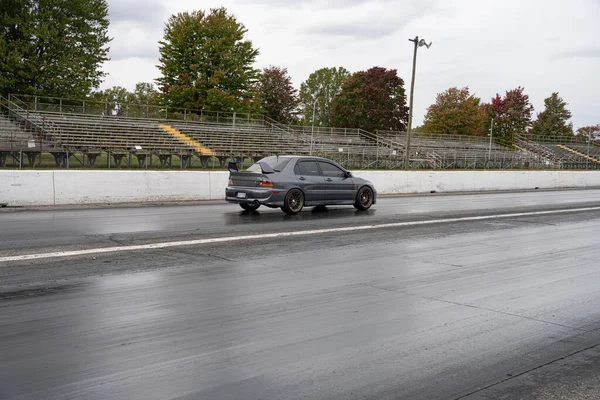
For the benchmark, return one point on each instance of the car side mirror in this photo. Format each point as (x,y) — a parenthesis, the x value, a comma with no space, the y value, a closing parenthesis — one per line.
(232,166)
(348,174)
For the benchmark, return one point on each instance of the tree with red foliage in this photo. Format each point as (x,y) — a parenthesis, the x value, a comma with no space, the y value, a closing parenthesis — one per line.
(511,114)
(371,100)
(277,95)
(455,111)
(586,131)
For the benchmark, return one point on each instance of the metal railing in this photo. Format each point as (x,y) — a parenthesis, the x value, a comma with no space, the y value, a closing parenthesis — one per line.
(19,139)
(45,104)
(435,137)
(47,130)
(308,133)
(563,150)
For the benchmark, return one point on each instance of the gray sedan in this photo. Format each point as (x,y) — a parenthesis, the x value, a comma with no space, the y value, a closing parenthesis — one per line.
(292,182)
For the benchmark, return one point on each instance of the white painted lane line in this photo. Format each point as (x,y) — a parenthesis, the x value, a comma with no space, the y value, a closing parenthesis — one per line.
(263,236)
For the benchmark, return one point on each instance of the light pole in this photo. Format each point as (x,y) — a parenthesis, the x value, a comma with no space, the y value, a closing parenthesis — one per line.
(418,43)
(491,134)
(312,132)
(587,160)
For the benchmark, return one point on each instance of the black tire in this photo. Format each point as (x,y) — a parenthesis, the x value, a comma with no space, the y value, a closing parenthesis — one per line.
(250,206)
(364,198)
(294,202)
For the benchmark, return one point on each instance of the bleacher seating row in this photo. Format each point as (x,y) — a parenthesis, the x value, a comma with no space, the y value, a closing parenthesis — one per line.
(25,129)
(234,140)
(562,151)
(113,134)
(12,137)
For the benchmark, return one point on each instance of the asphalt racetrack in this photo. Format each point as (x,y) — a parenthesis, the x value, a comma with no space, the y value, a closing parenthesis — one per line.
(470,296)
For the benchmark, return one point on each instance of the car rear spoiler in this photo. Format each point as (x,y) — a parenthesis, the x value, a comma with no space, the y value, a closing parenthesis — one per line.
(266,168)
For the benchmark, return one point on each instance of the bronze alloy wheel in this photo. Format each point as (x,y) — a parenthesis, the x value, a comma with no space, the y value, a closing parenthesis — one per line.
(364,199)
(294,202)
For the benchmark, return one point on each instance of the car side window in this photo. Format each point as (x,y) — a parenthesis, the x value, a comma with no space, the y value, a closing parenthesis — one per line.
(331,170)
(308,168)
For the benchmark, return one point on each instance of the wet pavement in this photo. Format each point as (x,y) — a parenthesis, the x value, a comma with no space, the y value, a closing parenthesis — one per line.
(482,309)
(82,227)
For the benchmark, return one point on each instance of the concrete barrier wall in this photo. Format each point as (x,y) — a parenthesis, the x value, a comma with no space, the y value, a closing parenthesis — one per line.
(394,182)
(84,187)
(27,188)
(63,187)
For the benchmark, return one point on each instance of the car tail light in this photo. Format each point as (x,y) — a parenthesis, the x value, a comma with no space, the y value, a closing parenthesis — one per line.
(266,183)
(230,183)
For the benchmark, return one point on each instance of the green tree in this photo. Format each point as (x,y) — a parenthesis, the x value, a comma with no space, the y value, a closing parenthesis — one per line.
(116,99)
(52,47)
(145,94)
(120,101)
(206,63)
(320,89)
(455,111)
(278,97)
(511,115)
(371,100)
(552,122)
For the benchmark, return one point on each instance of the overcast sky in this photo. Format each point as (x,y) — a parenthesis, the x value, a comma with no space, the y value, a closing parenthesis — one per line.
(489,46)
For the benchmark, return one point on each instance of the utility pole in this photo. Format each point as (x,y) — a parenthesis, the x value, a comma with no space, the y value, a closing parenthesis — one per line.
(312,131)
(587,160)
(491,134)
(418,43)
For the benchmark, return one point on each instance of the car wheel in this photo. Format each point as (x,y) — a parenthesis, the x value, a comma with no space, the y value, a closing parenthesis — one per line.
(294,202)
(250,206)
(364,199)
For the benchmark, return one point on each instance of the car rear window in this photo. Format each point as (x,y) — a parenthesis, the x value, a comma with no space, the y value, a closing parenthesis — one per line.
(277,163)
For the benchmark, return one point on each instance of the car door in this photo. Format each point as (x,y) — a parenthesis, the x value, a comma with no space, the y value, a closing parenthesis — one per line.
(339,187)
(311,181)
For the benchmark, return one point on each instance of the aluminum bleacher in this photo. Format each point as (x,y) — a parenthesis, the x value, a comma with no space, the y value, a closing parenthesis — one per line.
(593,149)
(84,133)
(228,140)
(20,139)
(13,137)
(564,152)
(87,130)
(189,135)
(441,142)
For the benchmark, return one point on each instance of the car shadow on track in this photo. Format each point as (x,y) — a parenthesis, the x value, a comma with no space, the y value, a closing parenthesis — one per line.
(308,214)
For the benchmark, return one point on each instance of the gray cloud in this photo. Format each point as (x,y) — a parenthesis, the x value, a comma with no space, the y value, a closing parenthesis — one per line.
(581,53)
(148,12)
(118,53)
(331,4)
(373,20)
(136,26)
(370,32)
